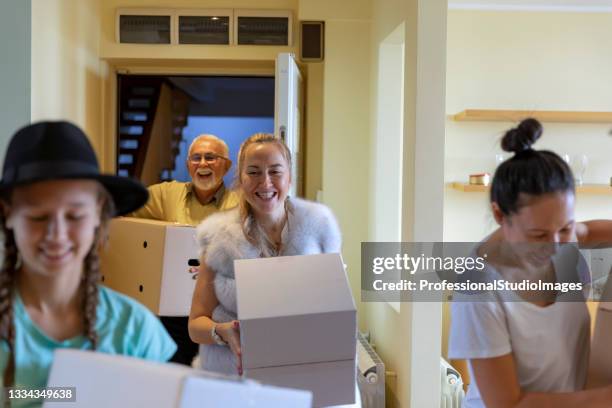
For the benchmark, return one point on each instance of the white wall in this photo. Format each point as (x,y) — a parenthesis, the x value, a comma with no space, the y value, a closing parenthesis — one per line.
(387,148)
(521,60)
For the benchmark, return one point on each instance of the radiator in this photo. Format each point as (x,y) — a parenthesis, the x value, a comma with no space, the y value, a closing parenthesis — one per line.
(371,379)
(452,386)
(370,375)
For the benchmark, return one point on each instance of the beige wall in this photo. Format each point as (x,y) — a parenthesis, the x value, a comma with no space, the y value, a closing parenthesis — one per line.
(66,71)
(349,82)
(353,33)
(346,136)
(410,339)
(520,60)
(313,144)
(390,329)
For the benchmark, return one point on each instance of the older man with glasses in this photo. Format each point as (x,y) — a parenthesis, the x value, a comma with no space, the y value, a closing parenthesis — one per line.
(190,203)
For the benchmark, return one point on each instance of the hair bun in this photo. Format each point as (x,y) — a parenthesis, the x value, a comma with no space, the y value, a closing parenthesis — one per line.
(522,137)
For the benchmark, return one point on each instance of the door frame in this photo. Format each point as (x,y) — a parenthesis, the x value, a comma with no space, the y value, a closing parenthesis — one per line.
(108,142)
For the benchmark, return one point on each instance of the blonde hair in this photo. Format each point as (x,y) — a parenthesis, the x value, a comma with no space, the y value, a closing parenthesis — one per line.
(253,232)
(89,282)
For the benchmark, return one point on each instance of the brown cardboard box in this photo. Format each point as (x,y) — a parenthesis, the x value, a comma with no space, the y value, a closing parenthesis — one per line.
(600,365)
(148,261)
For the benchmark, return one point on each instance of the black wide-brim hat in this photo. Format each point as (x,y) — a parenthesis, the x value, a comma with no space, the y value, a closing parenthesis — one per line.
(60,150)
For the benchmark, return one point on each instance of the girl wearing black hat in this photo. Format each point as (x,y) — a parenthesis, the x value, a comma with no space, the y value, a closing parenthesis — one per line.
(530,348)
(55,209)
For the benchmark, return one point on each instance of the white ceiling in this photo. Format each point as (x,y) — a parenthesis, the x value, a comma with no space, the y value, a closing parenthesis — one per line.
(534,5)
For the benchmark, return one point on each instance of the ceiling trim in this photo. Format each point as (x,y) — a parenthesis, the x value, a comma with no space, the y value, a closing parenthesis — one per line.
(531,7)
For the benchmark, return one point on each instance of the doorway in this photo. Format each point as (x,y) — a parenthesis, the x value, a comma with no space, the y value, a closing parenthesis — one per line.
(159,116)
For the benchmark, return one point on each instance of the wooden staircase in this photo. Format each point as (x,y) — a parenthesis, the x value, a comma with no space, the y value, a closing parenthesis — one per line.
(180,113)
(139,97)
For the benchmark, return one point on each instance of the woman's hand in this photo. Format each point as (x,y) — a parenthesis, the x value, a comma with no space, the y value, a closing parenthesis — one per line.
(200,318)
(230,333)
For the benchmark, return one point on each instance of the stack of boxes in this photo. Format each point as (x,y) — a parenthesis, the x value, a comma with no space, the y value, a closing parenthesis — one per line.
(297,314)
(298,325)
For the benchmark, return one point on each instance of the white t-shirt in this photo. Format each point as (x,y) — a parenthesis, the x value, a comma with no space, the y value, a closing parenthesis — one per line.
(550,344)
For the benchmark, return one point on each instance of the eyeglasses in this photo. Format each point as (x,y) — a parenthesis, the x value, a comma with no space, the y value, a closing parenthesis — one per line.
(210,158)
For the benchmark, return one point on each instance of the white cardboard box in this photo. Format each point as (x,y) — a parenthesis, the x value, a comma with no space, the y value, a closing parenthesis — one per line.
(201,392)
(298,324)
(148,261)
(332,383)
(104,380)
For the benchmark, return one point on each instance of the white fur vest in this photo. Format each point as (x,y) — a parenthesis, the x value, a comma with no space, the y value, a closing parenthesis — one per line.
(310,229)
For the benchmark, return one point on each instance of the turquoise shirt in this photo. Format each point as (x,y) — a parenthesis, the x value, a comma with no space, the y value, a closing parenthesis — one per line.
(123,325)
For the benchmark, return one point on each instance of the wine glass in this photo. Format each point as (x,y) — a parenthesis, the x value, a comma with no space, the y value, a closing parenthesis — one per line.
(579,166)
(499,159)
(566,158)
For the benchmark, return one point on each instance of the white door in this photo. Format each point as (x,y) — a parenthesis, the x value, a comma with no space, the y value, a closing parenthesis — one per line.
(288,114)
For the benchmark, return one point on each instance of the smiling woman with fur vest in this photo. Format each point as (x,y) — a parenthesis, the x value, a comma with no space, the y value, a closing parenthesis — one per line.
(266,223)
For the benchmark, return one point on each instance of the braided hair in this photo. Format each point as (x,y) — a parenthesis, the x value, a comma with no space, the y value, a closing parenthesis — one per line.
(8,275)
(89,283)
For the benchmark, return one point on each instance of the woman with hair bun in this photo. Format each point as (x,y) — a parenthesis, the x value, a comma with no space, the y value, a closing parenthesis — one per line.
(530,348)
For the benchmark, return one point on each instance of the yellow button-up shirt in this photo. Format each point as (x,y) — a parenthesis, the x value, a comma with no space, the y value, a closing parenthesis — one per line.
(175,201)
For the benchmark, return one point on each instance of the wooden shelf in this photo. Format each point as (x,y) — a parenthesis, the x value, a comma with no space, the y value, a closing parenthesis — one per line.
(597,189)
(594,189)
(496,115)
(468,188)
